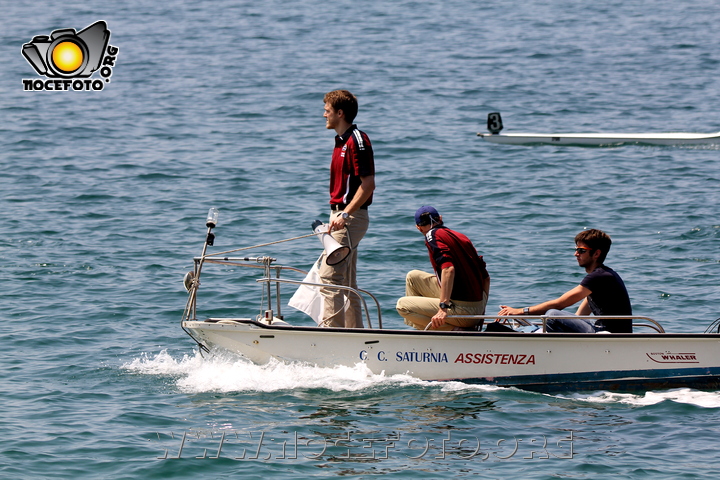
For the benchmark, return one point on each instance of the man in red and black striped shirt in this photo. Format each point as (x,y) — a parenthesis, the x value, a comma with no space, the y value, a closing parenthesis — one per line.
(352,182)
(459,286)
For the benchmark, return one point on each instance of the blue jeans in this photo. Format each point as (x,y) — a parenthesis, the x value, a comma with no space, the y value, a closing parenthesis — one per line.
(569,324)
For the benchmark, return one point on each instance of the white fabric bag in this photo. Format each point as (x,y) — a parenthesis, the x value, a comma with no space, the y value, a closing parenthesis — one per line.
(307,298)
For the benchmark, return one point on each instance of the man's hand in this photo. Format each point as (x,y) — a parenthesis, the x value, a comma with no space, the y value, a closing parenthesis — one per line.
(337,223)
(505,310)
(438,320)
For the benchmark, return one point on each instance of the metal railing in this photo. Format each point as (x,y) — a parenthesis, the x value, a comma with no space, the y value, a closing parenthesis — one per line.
(265,263)
(523,320)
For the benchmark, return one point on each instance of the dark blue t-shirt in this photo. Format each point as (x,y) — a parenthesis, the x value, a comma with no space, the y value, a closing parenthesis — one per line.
(609,297)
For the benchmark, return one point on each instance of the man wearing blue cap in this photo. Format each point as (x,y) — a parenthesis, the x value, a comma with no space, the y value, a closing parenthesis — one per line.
(459,286)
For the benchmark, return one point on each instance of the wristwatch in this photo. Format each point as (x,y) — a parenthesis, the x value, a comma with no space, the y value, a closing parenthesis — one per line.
(344,215)
(526,311)
(444,305)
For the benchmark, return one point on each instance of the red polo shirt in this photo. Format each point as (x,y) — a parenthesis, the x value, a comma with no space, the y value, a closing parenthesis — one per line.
(450,248)
(352,158)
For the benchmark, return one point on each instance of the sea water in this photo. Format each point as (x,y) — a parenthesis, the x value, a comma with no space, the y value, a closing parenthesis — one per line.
(219,104)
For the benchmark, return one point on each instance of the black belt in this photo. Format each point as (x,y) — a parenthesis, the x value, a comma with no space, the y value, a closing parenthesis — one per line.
(341,206)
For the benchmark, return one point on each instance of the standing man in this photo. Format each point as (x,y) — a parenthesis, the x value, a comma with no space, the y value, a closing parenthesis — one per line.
(352,182)
(459,286)
(602,292)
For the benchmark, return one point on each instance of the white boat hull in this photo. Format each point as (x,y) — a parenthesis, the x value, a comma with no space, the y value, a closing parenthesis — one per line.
(603,139)
(540,362)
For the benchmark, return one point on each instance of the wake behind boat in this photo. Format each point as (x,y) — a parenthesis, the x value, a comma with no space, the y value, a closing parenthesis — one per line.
(594,139)
(547,362)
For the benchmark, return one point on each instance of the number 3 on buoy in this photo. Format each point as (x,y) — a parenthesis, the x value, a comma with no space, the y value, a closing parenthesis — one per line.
(494,123)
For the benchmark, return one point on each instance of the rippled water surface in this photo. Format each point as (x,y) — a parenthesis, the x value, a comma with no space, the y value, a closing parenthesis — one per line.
(104,196)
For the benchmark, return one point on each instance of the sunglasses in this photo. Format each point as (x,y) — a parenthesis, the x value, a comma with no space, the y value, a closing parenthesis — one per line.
(425,220)
(582,250)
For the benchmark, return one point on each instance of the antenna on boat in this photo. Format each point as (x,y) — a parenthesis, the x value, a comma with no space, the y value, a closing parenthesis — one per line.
(211,223)
(334,251)
(190,280)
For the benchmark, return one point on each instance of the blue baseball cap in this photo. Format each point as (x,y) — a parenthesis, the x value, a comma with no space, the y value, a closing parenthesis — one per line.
(422,211)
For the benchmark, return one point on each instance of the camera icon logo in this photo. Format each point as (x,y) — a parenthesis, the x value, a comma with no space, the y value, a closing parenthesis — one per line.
(66,53)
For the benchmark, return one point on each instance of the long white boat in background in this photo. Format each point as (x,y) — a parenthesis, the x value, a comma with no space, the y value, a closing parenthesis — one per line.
(650,359)
(594,139)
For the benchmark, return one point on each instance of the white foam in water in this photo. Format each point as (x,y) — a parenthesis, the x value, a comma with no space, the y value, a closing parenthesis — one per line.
(229,373)
(224,372)
(683,395)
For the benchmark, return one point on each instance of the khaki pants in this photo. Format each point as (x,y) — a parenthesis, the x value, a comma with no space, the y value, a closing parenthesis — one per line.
(422,300)
(344,273)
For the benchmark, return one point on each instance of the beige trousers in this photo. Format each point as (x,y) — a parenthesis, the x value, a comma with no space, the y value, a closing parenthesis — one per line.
(335,312)
(422,301)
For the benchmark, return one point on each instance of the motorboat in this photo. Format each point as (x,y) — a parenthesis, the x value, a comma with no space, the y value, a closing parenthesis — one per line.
(522,355)
(594,139)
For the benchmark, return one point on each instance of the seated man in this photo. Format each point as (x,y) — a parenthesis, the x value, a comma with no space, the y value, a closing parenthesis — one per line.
(459,286)
(602,292)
